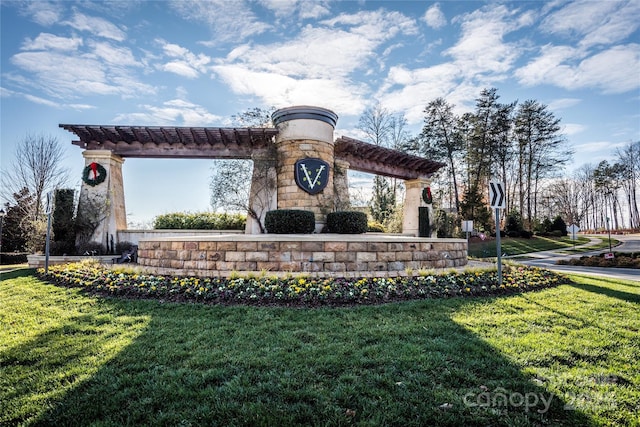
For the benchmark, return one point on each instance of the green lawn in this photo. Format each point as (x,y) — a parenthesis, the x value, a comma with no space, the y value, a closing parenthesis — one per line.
(562,356)
(518,246)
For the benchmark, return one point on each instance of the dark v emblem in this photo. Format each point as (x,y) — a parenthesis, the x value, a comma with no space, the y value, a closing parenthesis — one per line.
(312,175)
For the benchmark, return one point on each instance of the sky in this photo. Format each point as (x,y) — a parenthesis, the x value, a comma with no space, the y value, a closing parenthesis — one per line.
(198,63)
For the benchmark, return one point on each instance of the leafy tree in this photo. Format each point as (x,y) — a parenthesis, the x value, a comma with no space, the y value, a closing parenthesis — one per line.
(13,237)
(63,224)
(559,225)
(513,225)
(542,151)
(440,140)
(383,201)
(21,232)
(474,208)
(483,137)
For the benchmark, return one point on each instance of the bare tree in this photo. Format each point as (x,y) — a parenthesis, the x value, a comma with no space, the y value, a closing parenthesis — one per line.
(386,130)
(38,167)
(377,124)
(232,179)
(629,160)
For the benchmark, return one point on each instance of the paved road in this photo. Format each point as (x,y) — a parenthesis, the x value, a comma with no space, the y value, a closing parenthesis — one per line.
(629,243)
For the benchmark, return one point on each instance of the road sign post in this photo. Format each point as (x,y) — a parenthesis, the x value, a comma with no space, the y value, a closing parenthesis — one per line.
(48,208)
(498,201)
(573,229)
(467,227)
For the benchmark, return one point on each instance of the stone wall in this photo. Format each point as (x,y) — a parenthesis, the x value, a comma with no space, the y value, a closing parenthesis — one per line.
(332,256)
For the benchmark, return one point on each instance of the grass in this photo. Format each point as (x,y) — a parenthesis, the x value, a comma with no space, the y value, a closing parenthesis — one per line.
(518,246)
(67,358)
(602,245)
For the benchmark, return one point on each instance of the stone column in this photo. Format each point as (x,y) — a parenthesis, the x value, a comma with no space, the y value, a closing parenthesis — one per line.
(341,185)
(101,207)
(263,194)
(412,201)
(305,133)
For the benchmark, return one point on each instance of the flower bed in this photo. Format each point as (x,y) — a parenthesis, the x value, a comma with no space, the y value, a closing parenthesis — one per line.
(620,260)
(298,291)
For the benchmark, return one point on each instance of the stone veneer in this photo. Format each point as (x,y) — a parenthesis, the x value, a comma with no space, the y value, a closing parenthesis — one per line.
(321,255)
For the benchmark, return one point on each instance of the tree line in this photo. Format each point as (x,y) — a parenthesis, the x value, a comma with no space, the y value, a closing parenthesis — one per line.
(519,144)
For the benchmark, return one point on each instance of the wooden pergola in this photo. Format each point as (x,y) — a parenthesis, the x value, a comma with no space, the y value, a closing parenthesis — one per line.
(238,143)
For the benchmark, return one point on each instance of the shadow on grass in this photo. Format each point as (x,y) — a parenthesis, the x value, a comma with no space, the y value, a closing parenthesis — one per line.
(18,272)
(614,293)
(398,364)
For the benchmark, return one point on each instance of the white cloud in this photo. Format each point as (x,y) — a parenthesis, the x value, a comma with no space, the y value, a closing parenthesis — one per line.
(614,70)
(563,103)
(181,68)
(46,41)
(120,56)
(434,17)
(188,64)
(479,58)
(41,101)
(228,20)
(176,112)
(573,128)
(305,9)
(6,93)
(377,25)
(317,64)
(280,90)
(44,12)
(97,26)
(63,76)
(598,147)
(481,48)
(597,22)
(549,63)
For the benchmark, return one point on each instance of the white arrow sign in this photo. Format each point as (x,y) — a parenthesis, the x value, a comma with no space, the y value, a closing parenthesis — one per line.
(496,195)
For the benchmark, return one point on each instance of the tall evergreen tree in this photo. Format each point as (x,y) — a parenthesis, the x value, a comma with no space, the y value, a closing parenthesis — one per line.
(383,200)
(542,151)
(440,140)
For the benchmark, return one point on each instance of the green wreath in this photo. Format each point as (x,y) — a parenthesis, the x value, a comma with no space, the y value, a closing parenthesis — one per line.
(426,195)
(99,174)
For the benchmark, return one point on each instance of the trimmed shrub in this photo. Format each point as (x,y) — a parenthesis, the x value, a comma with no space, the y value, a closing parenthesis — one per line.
(347,222)
(560,225)
(91,248)
(13,258)
(122,247)
(199,221)
(290,221)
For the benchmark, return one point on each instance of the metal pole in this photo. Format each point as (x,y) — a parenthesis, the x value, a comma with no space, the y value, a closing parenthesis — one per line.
(46,245)
(498,249)
(609,230)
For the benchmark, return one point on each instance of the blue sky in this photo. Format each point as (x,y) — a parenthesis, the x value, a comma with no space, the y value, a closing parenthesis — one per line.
(198,63)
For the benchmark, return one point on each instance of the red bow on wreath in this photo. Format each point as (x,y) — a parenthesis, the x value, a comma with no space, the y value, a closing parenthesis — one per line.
(94,174)
(94,169)
(426,195)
